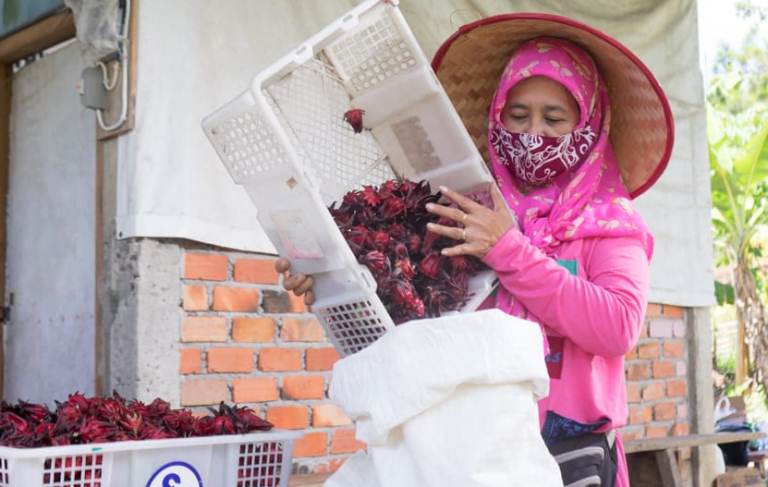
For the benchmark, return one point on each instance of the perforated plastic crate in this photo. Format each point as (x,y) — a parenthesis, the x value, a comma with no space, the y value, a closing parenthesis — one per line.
(253,460)
(286,142)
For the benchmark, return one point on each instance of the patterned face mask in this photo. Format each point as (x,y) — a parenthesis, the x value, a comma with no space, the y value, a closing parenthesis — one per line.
(535,159)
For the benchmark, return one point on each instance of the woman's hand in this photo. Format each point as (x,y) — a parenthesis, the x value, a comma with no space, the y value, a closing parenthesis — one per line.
(300,284)
(482,227)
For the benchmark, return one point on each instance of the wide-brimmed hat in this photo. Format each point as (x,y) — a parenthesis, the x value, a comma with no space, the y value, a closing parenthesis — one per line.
(471,61)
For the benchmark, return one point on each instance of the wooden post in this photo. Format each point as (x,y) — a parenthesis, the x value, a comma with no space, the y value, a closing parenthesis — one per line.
(5,119)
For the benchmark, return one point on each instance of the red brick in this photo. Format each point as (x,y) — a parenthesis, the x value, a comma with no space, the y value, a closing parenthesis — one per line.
(321,358)
(254,389)
(664,368)
(631,355)
(656,431)
(314,444)
(324,415)
(276,302)
(257,271)
(204,329)
(190,361)
(304,387)
(279,359)
(195,298)
(330,466)
(638,371)
(344,441)
(677,388)
(302,330)
(203,392)
(629,433)
(673,311)
(230,360)
(288,417)
(236,299)
(653,391)
(681,429)
(665,411)
(653,310)
(649,350)
(245,329)
(640,414)
(674,348)
(661,328)
(210,267)
(633,392)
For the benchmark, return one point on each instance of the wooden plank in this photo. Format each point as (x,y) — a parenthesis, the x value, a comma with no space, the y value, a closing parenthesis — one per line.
(674,442)
(667,465)
(38,36)
(100,349)
(114,97)
(5,140)
(314,480)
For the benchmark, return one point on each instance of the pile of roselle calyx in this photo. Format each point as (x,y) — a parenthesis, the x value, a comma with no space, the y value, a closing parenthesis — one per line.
(80,420)
(386,228)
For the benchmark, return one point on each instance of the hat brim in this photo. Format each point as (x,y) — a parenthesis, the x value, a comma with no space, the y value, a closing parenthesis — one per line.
(470,62)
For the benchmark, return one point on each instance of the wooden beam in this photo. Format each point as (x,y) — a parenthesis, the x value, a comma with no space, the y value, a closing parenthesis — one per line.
(674,442)
(5,141)
(41,35)
(667,465)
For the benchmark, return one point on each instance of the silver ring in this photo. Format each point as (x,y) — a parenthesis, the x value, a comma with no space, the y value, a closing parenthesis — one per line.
(464,234)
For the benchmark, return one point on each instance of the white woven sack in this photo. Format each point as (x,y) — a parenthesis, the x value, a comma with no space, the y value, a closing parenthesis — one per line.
(448,402)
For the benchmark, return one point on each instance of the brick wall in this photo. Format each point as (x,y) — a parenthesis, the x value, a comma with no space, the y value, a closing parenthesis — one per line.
(657,376)
(657,381)
(245,340)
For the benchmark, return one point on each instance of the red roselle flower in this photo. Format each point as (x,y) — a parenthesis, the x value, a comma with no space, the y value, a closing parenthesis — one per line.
(354,117)
(106,419)
(386,229)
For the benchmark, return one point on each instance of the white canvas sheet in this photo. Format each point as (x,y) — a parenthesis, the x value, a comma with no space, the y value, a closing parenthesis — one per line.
(195,55)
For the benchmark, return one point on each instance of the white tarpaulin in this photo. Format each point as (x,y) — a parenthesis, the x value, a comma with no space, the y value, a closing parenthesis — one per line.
(196,55)
(448,402)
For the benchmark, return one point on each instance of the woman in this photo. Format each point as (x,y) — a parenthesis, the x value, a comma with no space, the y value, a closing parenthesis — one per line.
(570,251)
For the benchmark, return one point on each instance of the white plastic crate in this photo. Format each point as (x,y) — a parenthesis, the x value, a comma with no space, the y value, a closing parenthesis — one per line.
(253,460)
(286,142)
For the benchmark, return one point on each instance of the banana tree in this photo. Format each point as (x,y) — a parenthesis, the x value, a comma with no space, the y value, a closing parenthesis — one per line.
(739,176)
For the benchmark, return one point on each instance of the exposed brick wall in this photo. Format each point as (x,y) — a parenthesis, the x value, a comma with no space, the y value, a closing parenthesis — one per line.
(244,340)
(657,376)
(657,381)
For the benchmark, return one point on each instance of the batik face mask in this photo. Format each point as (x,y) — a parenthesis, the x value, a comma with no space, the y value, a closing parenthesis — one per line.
(536,159)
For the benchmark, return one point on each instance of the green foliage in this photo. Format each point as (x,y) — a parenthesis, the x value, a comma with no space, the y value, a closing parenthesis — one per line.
(724,293)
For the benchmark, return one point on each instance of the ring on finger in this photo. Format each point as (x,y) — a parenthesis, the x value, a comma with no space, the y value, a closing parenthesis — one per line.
(464,218)
(464,234)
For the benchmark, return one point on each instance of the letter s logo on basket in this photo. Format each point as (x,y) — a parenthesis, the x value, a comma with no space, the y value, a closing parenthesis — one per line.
(175,474)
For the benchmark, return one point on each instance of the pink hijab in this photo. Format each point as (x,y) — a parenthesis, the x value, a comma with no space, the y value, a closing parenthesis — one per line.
(590,200)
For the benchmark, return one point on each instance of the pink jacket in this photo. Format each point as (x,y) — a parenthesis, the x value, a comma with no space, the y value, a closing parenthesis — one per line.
(591,318)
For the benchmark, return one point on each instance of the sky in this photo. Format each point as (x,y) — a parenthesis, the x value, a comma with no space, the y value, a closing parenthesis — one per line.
(718,23)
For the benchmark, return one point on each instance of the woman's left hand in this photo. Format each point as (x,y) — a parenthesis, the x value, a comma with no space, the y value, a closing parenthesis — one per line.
(482,227)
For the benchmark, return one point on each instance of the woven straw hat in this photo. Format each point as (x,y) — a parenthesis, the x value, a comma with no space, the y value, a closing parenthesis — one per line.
(471,61)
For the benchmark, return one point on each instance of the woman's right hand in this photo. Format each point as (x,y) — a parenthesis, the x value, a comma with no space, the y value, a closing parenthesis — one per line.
(300,284)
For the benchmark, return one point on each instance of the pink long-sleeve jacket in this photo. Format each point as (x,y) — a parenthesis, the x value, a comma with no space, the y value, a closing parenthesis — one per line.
(590,300)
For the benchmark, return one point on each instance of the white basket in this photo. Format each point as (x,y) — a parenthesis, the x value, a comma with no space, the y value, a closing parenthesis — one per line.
(286,142)
(253,460)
